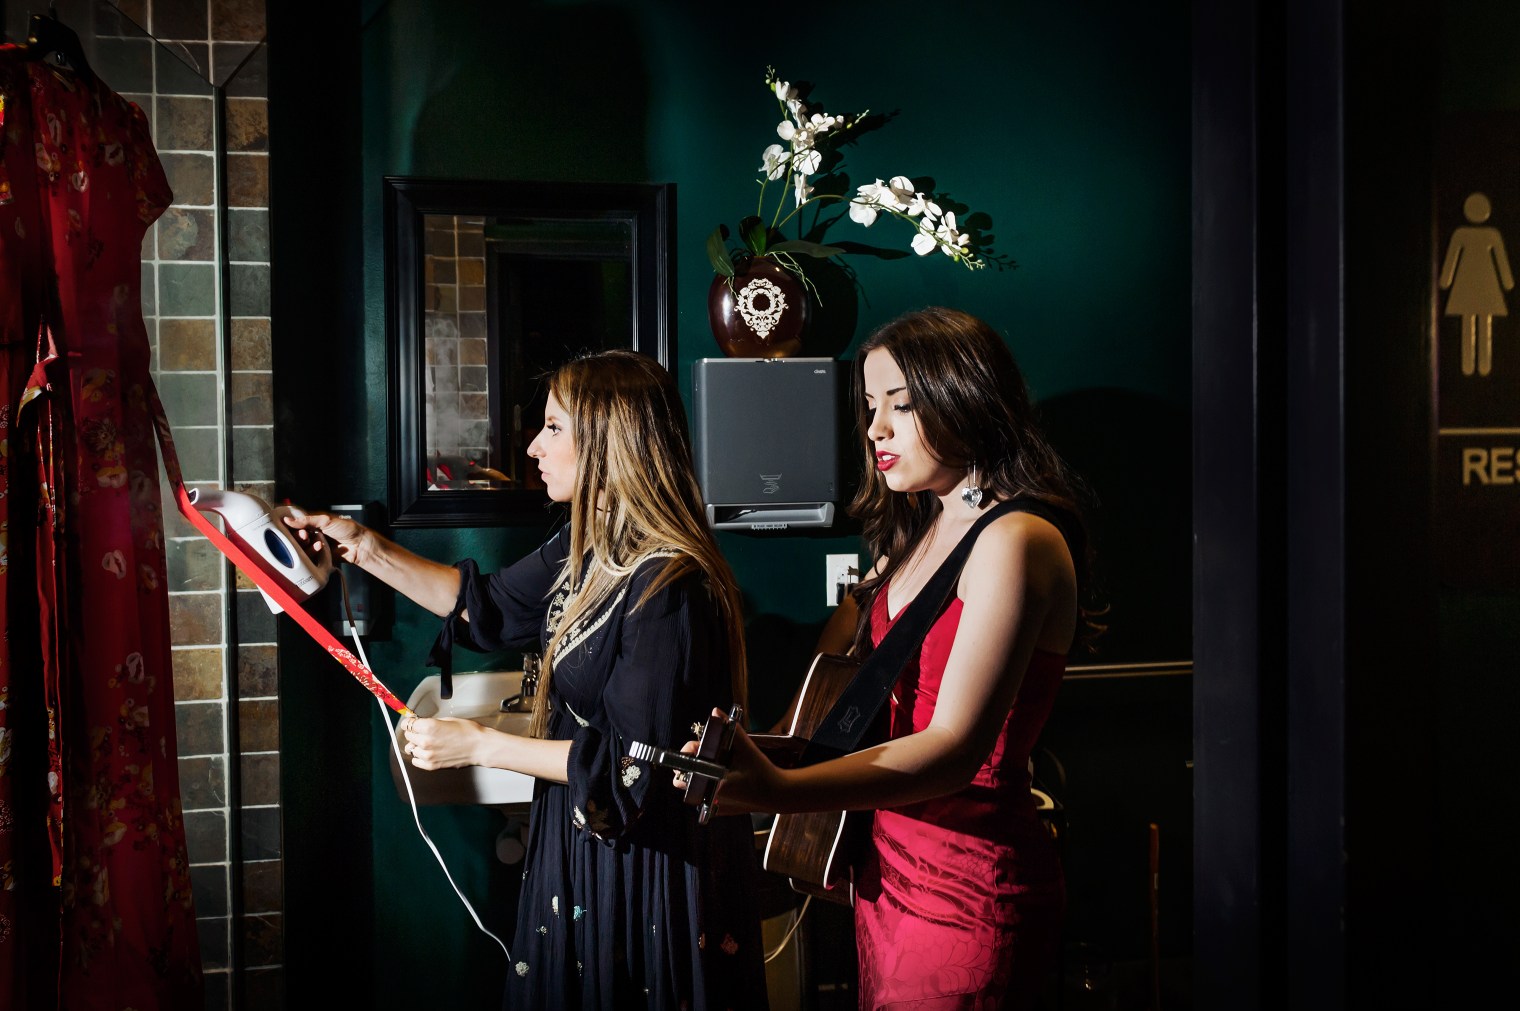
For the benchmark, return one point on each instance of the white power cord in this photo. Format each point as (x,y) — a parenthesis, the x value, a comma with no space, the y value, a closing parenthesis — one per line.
(406,776)
(796,922)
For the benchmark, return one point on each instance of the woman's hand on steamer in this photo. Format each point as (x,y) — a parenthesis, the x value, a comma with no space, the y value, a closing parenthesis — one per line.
(314,530)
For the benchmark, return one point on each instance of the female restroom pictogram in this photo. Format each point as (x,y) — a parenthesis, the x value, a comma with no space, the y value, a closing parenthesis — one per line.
(1477,273)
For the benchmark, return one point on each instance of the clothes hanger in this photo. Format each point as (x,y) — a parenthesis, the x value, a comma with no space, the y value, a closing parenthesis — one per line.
(47,36)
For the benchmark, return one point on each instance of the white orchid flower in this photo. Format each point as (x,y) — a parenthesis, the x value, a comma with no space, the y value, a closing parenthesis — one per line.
(902,191)
(784,91)
(921,204)
(799,181)
(952,242)
(924,243)
(823,123)
(862,212)
(773,161)
(807,162)
(869,198)
(799,134)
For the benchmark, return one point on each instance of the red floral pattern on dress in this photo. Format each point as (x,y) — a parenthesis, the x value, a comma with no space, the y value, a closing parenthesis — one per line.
(87,700)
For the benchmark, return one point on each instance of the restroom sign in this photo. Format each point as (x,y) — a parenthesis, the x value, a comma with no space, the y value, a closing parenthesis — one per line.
(1476,351)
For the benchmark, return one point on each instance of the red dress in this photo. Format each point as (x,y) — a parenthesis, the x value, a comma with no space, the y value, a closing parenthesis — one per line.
(89,734)
(960,901)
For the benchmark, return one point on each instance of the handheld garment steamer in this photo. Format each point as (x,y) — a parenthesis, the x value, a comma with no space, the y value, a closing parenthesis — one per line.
(259,529)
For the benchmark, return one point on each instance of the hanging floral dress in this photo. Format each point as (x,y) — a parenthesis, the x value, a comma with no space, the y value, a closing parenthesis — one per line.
(95,901)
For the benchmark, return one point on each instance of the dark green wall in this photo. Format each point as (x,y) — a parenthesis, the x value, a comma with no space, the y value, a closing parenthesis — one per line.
(1066,124)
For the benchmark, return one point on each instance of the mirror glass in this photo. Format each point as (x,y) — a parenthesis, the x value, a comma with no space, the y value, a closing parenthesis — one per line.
(491,286)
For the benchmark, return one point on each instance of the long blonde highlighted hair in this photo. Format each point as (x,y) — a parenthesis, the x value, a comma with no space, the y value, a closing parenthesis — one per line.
(636,496)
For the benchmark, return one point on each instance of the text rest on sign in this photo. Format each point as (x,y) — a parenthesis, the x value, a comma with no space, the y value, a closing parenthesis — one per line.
(1489,465)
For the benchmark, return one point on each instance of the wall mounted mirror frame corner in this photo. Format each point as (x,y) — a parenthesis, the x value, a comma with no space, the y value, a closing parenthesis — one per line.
(490,285)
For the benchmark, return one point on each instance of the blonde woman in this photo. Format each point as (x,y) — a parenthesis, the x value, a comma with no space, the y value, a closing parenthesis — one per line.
(639,620)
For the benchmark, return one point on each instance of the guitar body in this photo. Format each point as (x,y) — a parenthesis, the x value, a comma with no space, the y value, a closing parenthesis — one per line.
(818,851)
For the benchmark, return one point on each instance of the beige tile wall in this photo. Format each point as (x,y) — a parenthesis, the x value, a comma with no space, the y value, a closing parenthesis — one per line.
(454,318)
(203,86)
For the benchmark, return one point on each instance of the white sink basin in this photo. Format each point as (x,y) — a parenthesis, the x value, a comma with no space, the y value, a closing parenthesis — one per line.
(477,696)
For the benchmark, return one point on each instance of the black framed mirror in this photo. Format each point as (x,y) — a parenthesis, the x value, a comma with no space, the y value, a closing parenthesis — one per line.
(489,285)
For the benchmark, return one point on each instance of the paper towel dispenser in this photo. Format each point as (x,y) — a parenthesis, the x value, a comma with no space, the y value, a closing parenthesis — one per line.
(765,435)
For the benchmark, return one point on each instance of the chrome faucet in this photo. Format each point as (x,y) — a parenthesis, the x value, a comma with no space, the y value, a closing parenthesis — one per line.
(532,665)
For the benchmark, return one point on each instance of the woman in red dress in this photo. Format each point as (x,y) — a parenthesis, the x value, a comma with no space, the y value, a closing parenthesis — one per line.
(960,901)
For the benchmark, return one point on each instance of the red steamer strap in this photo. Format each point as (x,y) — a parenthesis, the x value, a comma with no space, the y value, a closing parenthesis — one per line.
(271,586)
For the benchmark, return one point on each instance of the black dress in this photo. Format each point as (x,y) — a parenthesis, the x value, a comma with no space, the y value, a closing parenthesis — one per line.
(627,901)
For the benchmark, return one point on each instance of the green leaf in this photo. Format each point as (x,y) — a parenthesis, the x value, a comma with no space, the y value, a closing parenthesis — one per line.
(717,251)
(752,231)
(806,248)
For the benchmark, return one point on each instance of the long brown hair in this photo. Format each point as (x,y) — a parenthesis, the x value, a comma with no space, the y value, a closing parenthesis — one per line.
(636,497)
(973,409)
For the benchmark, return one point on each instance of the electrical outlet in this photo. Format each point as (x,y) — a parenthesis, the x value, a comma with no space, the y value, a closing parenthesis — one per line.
(841,571)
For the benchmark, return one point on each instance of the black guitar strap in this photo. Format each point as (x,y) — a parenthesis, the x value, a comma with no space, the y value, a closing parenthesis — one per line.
(861,701)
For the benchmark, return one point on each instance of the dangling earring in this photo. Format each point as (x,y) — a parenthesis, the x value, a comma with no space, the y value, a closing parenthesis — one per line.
(971,494)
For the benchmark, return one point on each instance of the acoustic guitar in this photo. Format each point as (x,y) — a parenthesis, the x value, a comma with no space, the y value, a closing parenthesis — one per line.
(841,707)
(816,851)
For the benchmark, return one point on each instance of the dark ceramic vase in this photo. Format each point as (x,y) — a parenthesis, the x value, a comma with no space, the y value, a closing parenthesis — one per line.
(760,312)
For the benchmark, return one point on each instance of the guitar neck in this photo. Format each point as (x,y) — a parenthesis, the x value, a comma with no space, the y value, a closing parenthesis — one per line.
(677,760)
